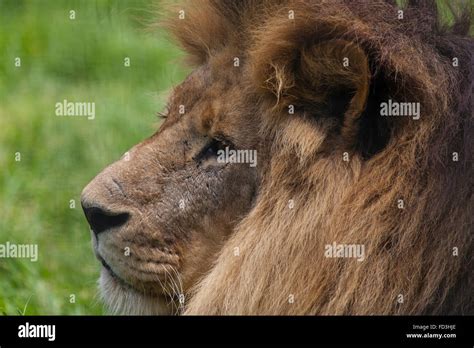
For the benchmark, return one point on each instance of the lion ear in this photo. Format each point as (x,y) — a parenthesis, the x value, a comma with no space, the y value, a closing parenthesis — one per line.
(330,77)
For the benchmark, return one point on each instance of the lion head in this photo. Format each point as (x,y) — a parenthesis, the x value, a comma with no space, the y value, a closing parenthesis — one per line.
(318,160)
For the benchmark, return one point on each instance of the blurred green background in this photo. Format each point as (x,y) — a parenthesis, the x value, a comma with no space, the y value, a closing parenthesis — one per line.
(81,60)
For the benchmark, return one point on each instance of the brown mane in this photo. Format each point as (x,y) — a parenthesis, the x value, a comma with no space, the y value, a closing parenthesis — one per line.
(410,250)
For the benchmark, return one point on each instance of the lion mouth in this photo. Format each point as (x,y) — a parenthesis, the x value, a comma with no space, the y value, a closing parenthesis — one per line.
(160,284)
(114,275)
(111,271)
(122,298)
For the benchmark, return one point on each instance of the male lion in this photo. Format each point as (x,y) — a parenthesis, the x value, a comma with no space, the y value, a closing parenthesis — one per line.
(349,210)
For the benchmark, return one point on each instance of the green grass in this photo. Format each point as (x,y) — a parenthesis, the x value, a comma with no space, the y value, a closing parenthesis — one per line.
(77,60)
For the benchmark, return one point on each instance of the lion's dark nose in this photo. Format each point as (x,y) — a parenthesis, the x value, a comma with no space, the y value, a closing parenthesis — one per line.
(101,220)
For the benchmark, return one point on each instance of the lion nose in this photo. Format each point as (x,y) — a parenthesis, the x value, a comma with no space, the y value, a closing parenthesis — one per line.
(101,220)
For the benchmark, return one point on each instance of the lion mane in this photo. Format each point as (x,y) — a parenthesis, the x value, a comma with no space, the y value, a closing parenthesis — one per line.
(419,256)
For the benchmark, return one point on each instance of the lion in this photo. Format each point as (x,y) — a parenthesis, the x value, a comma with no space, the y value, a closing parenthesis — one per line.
(347,210)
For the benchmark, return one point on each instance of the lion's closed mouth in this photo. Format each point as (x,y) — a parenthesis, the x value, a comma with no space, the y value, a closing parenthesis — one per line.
(111,272)
(160,281)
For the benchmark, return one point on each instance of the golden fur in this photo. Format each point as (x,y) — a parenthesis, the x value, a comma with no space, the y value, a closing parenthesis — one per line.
(410,250)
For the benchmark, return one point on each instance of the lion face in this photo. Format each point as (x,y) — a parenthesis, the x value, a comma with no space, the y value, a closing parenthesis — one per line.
(159,215)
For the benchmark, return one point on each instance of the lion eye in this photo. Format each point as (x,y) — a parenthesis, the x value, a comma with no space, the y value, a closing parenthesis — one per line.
(211,149)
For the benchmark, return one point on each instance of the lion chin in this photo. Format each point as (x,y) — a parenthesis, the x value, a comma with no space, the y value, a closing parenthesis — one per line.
(121,299)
